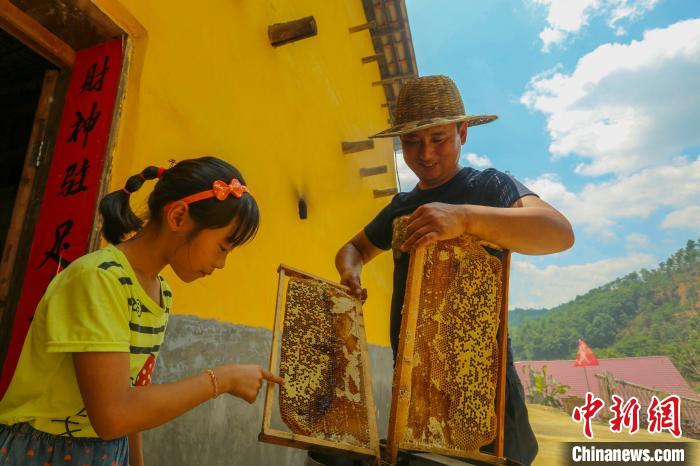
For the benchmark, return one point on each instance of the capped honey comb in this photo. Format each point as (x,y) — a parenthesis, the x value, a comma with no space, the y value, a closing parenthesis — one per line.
(321,361)
(448,393)
(326,400)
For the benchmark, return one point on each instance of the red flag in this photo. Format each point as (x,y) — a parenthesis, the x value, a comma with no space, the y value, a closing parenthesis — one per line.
(585,356)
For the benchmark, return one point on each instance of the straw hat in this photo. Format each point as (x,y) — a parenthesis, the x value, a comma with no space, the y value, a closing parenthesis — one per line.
(430,101)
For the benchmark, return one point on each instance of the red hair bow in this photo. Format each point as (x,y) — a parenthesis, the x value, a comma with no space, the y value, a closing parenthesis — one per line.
(219,190)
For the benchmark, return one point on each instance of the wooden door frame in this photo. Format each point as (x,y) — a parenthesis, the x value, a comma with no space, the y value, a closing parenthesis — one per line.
(32,33)
(35,36)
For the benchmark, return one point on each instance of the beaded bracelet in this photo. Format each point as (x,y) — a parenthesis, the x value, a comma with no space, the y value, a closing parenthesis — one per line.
(214,382)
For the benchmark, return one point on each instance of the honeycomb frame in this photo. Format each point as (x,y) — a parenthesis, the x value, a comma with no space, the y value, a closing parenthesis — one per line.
(349,392)
(422,416)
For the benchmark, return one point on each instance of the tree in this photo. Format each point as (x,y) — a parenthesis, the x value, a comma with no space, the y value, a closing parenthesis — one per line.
(639,314)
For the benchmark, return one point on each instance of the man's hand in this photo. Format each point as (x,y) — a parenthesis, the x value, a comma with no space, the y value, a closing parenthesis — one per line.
(351,279)
(349,260)
(434,222)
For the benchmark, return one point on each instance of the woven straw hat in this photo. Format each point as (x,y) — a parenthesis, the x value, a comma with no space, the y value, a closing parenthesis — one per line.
(430,101)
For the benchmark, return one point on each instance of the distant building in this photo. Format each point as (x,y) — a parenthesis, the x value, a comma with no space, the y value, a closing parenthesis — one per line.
(657,372)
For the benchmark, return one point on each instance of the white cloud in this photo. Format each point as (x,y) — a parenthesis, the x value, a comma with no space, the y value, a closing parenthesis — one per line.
(478,161)
(567,17)
(625,106)
(535,287)
(564,17)
(627,9)
(551,36)
(637,241)
(598,206)
(686,218)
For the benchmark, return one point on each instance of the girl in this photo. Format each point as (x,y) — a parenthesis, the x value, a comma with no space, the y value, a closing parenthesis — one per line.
(82,384)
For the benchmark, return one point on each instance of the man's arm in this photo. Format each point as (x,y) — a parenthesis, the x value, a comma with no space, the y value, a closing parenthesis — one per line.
(529,226)
(350,259)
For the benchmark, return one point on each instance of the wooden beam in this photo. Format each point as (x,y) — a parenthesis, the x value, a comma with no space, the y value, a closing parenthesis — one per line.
(361,27)
(371,407)
(392,79)
(35,36)
(289,439)
(385,192)
(499,441)
(274,356)
(384,30)
(401,387)
(79,23)
(356,146)
(283,33)
(290,271)
(371,171)
(371,58)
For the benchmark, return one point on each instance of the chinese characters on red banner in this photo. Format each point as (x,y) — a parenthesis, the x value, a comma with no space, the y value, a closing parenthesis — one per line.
(661,415)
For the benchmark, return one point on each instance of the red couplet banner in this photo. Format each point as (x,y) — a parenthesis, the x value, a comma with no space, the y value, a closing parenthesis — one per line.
(66,215)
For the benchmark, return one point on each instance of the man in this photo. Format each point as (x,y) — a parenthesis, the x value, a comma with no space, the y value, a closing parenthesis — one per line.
(448,201)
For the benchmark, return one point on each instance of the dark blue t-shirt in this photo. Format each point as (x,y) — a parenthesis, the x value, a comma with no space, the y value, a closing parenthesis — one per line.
(469,186)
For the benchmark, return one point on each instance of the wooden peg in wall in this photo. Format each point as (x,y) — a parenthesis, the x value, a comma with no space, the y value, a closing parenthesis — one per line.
(385,192)
(362,27)
(356,146)
(370,171)
(283,33)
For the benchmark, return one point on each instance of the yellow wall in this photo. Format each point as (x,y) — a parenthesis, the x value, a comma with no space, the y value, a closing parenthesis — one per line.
(206,81)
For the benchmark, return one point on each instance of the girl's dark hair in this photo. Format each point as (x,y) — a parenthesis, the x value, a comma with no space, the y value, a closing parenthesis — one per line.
(184,178)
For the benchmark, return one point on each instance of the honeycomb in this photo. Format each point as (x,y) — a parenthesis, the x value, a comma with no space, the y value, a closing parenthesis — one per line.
(455,360)
(321,361)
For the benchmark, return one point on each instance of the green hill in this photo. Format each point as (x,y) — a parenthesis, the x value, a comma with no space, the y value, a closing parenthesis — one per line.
(517,317)
(649,312)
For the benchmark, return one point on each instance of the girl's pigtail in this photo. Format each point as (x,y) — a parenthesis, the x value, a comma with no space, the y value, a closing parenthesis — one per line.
(118,220)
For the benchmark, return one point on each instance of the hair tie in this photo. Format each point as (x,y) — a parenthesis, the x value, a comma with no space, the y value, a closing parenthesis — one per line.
(128,193)
(161,170)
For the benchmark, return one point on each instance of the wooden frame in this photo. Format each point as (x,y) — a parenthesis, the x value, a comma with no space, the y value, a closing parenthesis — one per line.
(32,159)
(105,177)
(401,389)
(289,439)
(34,35)
(503,347)
(32,182)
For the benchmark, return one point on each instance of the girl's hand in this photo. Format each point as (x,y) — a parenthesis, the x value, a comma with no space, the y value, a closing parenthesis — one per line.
(244,380)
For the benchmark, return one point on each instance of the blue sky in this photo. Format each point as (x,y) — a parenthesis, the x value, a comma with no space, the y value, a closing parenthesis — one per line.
(599,113)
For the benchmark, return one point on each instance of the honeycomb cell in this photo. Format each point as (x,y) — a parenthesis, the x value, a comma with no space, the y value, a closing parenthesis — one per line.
(456,359)
(321,362)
